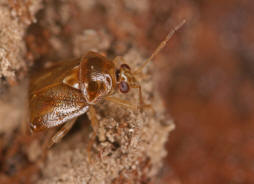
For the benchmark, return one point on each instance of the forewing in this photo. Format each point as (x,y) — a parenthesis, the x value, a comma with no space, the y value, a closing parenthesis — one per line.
(53,76)
(54,106)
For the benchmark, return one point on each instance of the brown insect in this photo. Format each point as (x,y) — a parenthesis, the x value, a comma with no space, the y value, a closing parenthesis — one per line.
(69,89)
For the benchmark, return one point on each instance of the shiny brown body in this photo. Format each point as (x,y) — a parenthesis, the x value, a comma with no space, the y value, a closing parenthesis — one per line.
(58,95)
(55,95)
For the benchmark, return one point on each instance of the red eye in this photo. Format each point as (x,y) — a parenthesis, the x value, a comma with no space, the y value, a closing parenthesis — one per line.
(124,87)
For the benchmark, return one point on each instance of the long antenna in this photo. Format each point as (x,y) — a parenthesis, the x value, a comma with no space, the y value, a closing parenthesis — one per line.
(161,46)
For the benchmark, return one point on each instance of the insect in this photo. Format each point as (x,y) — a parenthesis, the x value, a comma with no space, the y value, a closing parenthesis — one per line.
(71,88)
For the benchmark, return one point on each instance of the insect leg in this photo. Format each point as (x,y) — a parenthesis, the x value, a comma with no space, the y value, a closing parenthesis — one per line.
(121,102)
(95,125)
(142,105)
(45,145)
(61,133)
(127,104)
(92,116)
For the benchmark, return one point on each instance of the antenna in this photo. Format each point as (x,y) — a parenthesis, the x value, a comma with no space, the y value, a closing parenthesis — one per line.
(161,45)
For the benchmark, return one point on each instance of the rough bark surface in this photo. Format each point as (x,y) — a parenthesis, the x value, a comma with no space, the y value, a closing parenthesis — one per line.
(15,17)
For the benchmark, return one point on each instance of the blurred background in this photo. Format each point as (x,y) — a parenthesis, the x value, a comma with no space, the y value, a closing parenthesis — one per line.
(209,91)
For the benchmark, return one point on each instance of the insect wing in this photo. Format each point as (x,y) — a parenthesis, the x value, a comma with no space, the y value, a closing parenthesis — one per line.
(52,76)
(54,106)
(51,102)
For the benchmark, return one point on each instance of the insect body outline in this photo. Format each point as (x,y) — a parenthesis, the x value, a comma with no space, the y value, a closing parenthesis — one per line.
(69,89)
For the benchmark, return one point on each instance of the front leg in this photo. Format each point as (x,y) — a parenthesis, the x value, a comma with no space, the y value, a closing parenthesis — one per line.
(121,102)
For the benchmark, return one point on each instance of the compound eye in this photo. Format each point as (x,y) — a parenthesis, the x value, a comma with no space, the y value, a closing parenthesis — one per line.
(124,87)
